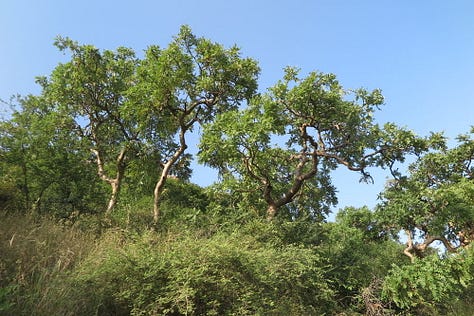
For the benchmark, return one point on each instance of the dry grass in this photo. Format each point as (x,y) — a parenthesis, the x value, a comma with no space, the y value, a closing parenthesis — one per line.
(32,253)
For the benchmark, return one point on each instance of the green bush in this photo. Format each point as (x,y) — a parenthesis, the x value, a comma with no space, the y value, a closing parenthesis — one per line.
(182,204)
(358,257)
(431,286)
(227,274)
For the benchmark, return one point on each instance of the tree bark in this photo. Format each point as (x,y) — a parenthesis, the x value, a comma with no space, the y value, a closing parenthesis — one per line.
(417,250)
(159,187)
(272,211)
(298,181)
(115,183)
(160,184)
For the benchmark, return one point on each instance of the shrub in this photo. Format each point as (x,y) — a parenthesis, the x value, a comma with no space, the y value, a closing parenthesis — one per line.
(226,274)
(431,285)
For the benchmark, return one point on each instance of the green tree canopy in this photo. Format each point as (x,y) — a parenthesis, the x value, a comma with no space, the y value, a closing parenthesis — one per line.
(187,83)
(92,89)
(42,158)
(282,148)
(434,202)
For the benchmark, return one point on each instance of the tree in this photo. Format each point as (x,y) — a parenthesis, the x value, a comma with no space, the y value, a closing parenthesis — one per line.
(434,202)
(92,89)
(187,83)
(43,159)
(322,126)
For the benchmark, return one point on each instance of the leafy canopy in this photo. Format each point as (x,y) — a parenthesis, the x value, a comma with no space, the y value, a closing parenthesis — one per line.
(282,147)
(435,201)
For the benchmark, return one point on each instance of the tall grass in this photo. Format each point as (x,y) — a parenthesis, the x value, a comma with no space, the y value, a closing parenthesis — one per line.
(34,255)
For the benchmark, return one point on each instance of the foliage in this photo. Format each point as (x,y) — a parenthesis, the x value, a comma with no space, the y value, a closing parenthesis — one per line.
(11,199)
(221,275)
(107,119)
(431,285)
(184,204)
(44,167)
(91,90)
(34,256)
(183,201)
(187,83)
(435,201)
(357,256)
(283,146)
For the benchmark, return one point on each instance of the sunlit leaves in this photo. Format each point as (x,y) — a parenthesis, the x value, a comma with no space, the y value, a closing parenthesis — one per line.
(44,159)
(430,283)
(290,138)
(436,197)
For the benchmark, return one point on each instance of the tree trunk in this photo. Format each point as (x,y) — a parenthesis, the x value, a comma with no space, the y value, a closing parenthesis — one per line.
(113,196)
(298,181)
(115,183)
(272,210)
(273,205)
(157,197)
(160,185)
(25,184)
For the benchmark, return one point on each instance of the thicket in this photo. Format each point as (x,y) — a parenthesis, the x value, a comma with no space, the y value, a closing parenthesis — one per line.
(98,216)
(230,266)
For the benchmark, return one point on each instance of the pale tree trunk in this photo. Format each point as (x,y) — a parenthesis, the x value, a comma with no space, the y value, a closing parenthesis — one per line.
(288,197)
(159,187)
(166,167)
(115,183)
(160,184)
(272,210)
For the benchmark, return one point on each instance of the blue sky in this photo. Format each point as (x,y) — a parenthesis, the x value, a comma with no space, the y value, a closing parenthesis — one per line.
(420,53)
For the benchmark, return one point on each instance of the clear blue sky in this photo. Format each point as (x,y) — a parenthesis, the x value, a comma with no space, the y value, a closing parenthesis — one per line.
(420,53)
